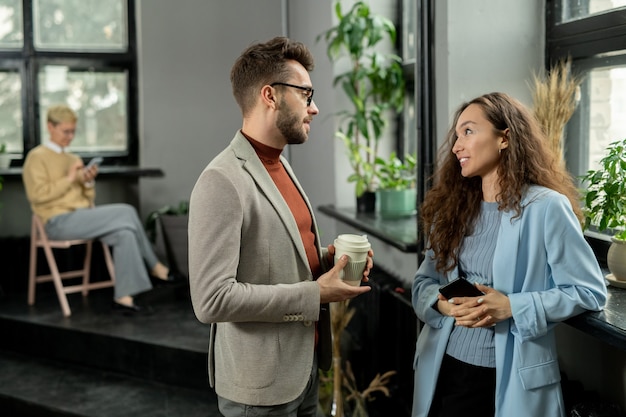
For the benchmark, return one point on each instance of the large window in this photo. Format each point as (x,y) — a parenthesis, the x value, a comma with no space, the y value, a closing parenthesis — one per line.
(580,9)
(408,38)
(417,19)
(77,52)
(593,34)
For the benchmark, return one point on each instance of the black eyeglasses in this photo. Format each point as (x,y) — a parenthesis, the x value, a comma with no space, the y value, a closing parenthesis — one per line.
(309,90)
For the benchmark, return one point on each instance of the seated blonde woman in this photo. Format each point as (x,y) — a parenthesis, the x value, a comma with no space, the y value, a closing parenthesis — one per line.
(61,192)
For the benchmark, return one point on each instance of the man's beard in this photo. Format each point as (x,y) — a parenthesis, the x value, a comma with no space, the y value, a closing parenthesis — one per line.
(290,126)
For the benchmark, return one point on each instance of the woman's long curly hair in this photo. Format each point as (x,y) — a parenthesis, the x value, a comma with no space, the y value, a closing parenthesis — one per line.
(452,205)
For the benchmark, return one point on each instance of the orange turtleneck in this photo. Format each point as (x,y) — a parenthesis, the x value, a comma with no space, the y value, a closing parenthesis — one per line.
(270,157)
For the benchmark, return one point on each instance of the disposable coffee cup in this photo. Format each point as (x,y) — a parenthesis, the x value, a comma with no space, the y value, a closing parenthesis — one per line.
(356,248)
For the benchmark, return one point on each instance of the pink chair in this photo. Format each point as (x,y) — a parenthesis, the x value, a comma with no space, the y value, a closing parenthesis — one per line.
(39,239)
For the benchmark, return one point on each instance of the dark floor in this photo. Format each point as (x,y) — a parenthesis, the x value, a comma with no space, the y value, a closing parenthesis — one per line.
(97,363)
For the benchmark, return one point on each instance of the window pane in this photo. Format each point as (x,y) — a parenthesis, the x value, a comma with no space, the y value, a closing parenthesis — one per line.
(99,98)
(409,18)
(11,28)
(410,123)
(87,25)
(607,107)
(578,9)
(11,112)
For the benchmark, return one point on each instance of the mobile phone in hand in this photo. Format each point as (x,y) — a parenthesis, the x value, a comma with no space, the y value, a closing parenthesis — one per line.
(94,161)
(460,287)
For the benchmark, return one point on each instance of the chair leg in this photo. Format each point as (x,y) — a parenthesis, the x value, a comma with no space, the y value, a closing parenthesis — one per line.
(58,285)
(87,268)
(32,267)
(108,259)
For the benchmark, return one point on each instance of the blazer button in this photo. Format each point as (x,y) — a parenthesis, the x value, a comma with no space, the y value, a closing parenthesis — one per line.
(307,323)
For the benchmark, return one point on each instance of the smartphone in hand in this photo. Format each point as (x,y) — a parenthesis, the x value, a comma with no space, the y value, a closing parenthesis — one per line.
(94,161)
(460,287)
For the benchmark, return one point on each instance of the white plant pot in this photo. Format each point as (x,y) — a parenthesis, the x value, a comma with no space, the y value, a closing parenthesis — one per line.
(616,259)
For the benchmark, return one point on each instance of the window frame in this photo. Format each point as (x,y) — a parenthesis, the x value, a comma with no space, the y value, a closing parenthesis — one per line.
(28,61)
(420,79)
(593,42)
(585,37)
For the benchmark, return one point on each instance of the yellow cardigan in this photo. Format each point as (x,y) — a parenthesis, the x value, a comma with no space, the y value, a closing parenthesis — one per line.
(47,187)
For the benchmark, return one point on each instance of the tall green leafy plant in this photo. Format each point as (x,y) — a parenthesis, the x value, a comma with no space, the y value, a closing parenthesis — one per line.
(374,84)
(605,197)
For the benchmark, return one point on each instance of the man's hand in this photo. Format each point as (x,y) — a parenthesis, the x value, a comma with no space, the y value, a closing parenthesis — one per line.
(333,289)
(368,266)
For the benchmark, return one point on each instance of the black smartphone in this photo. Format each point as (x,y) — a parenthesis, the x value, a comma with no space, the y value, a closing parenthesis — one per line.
(460,287)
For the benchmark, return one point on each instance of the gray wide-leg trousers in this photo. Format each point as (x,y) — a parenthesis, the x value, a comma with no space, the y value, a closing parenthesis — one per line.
(118,226)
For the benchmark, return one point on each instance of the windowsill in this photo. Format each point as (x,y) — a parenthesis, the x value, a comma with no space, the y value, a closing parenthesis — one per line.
(399,233)
(608,325)
(103,172)
(598,236)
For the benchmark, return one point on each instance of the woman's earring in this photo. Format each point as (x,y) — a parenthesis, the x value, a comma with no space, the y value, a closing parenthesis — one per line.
(499,151)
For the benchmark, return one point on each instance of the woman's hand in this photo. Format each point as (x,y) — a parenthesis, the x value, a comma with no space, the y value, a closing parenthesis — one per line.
(482,311)
(90,173)
(75,171)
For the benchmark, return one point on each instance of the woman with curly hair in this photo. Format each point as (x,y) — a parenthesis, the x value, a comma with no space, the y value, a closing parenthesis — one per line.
(503,213)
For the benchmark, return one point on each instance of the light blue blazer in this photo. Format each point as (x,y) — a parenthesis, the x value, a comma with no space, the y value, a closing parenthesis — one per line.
(545,266)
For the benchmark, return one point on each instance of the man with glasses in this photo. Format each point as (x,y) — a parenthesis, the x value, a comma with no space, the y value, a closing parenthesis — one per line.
(257,271)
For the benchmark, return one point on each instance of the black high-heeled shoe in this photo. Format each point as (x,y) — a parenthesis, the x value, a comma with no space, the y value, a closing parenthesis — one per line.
(172,278)
(131,310)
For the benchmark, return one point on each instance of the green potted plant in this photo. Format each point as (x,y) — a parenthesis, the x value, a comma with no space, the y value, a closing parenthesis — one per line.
(396,185)
(374,84)
(166,227)
(605,204)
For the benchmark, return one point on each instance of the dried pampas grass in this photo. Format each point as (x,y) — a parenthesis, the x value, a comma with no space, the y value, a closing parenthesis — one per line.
(555,96)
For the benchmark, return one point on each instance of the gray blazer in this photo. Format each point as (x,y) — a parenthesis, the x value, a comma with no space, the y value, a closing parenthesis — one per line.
(250,278)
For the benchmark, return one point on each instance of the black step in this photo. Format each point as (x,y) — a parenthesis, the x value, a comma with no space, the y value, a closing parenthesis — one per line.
(41,387)
(98,363)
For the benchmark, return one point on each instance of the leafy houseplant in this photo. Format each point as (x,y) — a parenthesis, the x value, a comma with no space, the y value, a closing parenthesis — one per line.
(374,84)
(396,186)
(605,203)
(167,228)
(395,174)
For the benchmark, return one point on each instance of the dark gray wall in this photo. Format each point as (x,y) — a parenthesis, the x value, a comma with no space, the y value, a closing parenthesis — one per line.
(188,114)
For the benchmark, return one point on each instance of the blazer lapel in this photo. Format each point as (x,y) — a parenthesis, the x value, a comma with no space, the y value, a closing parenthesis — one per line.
(245,151)
(504,267)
